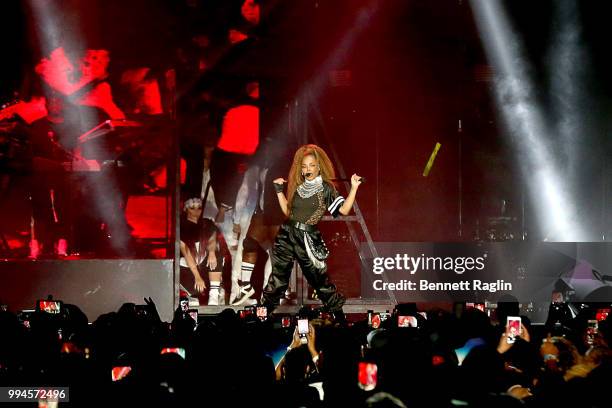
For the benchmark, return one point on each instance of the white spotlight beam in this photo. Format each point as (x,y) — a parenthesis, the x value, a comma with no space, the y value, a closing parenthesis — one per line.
(524,120)
(568,58)
(52,34)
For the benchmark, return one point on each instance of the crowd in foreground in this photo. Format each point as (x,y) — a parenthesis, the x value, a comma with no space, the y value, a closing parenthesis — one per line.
(452,358)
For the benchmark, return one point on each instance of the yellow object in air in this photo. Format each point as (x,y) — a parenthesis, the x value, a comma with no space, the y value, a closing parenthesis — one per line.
(431,160)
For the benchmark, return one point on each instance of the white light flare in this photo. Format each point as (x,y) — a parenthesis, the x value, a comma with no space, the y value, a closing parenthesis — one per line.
(525,122)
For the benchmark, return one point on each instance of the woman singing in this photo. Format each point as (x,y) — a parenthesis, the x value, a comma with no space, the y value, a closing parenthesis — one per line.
(309,193)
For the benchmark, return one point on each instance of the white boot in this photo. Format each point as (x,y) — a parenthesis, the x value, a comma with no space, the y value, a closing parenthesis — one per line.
(221,295)
(213,294)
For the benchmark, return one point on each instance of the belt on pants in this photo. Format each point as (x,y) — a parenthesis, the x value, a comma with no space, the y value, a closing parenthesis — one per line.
(301,226)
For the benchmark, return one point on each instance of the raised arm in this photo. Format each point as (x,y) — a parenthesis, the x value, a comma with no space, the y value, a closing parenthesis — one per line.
(345,209)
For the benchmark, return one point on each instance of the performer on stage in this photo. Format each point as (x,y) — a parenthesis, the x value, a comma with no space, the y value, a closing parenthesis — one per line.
(265,223)
(204,254)
(309,193)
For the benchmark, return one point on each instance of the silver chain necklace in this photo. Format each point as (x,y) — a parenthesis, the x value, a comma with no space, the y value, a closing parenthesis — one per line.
(310,187)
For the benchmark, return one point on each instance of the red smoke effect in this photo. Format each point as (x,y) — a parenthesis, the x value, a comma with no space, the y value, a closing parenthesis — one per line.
(144,214)
(240,132)
(145,89)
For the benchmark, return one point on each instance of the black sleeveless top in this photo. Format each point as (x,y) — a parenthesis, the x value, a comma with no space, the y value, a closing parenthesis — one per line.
(310,210)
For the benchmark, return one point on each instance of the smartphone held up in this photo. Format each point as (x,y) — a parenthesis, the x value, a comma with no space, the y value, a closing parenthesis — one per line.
(513,328)
(303,330)
(367,376)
